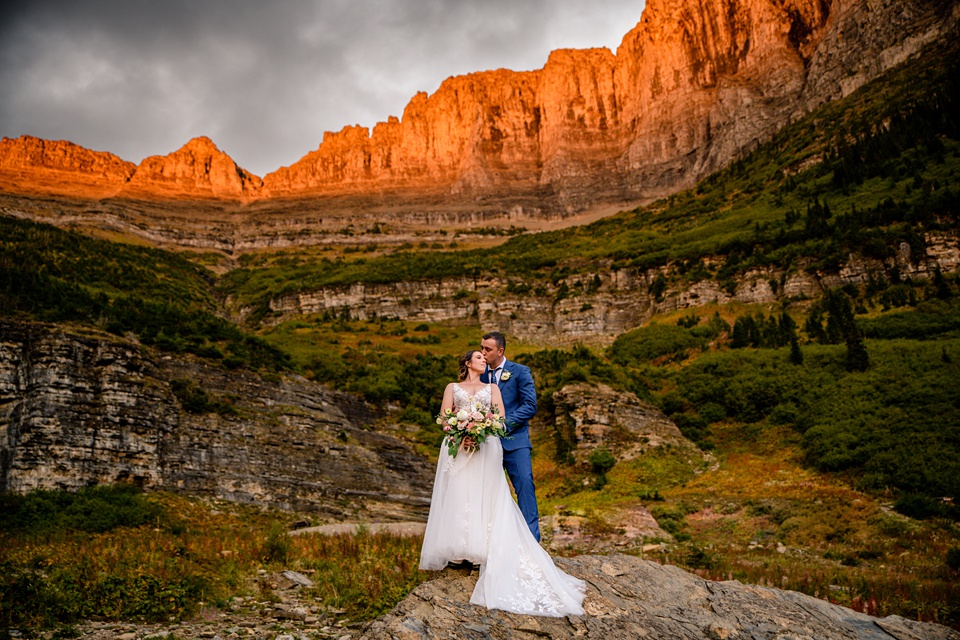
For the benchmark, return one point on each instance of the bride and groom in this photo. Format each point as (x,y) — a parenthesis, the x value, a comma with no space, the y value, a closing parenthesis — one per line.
(473,517)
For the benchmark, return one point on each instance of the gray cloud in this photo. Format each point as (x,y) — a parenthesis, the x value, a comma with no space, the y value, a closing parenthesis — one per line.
(264,80)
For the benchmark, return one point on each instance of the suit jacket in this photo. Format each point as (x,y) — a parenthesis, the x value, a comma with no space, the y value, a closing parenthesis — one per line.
(519,403)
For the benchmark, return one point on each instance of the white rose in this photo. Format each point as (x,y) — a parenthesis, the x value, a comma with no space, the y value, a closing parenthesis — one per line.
(463,414)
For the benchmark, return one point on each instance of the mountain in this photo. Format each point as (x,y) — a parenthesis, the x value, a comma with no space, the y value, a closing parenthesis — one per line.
(197,170)
(32,165)
(693,86)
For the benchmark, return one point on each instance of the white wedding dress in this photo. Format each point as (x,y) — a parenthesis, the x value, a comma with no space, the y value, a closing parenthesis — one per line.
(473,517)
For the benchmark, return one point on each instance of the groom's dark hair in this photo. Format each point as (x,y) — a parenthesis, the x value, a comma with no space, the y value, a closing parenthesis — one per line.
(496,335)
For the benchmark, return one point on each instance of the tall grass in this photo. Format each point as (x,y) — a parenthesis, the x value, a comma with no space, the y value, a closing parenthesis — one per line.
(190,554)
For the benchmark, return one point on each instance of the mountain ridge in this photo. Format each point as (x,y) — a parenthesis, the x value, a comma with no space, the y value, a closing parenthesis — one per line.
(691,87)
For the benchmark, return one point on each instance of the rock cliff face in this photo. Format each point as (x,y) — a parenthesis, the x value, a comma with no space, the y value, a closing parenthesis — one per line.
(32,165)
(596,416)
(692,86)
(599,306)
(197,170)
(629,598)
(79,409)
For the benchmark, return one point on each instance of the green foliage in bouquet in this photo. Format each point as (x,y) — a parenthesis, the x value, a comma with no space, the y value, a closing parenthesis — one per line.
(469,428)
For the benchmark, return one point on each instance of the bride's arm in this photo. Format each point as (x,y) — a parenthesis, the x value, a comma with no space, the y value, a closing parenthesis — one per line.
(447,402)
(497,399)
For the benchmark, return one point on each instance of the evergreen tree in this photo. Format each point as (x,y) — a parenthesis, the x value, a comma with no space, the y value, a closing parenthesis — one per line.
(658,287)
(857,358)
(814,325)
(770,336)
(834,330)
(841,319)
(787,330)
(940,285)
(742,328)
(796,355)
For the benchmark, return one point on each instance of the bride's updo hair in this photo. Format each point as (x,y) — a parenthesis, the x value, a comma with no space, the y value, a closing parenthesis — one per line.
(464,359)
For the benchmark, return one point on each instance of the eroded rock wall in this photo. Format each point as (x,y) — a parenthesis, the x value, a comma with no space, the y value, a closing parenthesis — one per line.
(79,407)
(597,307)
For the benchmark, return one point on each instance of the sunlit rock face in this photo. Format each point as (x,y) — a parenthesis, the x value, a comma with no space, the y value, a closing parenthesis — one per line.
(197,170)
(692,86)
(33,165)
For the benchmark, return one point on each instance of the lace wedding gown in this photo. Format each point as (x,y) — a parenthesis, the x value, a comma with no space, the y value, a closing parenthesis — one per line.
(473,517)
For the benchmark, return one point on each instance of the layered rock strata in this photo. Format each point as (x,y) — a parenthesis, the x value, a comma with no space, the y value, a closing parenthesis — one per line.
(597,307)
(85,408)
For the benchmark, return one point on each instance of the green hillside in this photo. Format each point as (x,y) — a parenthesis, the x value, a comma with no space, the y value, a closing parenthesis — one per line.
(55,275)
(861,175)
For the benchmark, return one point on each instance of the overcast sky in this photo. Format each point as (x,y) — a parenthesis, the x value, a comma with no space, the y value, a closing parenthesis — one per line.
(263,79)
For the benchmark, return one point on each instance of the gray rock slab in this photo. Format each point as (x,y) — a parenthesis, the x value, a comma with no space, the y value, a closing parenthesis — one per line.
(628,597)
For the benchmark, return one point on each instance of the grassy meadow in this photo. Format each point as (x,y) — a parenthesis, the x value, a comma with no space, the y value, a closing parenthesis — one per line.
(120,555)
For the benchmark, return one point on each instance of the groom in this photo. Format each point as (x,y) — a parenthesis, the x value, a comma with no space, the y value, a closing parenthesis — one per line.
(520,404)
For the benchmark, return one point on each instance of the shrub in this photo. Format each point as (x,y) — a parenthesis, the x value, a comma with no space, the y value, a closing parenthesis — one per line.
(95,509)
(952,558)
(276,547)
(654,341)
(601,461)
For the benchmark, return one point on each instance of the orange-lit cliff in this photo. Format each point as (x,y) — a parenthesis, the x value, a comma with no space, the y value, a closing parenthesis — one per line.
(693,85)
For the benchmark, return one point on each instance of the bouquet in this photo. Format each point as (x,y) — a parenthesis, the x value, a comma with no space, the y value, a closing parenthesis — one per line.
(468,428)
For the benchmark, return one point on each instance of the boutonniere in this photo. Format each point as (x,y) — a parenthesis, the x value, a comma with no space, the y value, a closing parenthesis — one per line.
(506,375)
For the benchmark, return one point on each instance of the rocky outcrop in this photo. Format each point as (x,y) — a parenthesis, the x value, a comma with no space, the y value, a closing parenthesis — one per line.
(80,407)
(597,307)
(596,416)
(692,86)
(197,170)
(33,165)
(628,597)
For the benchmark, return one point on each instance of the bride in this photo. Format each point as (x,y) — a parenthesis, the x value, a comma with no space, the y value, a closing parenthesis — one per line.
(474,518)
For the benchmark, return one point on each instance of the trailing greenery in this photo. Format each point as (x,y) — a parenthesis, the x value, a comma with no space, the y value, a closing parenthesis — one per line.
(60,276)
(196,400)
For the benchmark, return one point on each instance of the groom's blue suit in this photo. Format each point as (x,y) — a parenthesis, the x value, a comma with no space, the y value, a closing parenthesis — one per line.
(520,404)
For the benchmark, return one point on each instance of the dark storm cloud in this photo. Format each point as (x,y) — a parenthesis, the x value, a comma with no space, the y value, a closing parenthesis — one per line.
(264,80)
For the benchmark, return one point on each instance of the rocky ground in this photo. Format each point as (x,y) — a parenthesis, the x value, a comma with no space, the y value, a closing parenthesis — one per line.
(627,597)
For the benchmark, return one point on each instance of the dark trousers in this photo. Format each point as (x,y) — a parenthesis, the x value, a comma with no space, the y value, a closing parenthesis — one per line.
(518,466)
